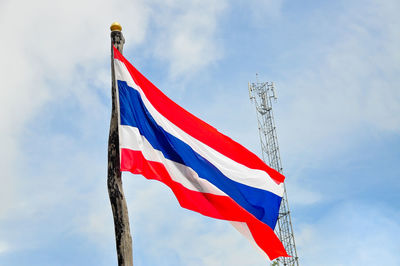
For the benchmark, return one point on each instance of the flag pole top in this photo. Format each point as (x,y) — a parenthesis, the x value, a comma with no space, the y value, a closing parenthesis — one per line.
(116,27)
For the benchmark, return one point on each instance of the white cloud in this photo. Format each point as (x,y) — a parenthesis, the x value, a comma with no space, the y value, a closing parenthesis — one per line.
(187,35)
(54,49)
(262,10)
(51,63)
(350,234)
(350,90)
(97,222)
(3,247)
(299,195)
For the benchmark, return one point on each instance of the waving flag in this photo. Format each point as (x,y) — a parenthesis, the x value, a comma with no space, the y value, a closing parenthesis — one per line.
(207,171)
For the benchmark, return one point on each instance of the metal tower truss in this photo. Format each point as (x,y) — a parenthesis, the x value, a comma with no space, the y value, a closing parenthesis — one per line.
(262,94)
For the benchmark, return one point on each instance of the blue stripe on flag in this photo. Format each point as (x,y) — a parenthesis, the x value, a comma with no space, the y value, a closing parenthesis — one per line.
(264,205)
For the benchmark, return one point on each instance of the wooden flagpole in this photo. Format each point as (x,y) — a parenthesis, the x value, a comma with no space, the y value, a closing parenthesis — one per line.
(114,182)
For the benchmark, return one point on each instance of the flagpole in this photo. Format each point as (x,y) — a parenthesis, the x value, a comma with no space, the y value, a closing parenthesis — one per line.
(114,182)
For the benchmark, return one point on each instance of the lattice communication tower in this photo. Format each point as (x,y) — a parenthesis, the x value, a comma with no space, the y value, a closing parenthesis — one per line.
(262,94)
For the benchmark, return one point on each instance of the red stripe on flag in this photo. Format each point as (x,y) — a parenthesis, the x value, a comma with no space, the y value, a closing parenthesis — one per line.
(215,206)
(195,127)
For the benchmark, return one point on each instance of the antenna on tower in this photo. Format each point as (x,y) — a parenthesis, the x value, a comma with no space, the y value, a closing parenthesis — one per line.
(261,94)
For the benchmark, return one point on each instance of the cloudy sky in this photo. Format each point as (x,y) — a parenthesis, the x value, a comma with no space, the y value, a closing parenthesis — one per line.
(336,65)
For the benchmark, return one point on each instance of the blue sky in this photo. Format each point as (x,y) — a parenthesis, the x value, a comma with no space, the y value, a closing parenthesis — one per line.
(337,72)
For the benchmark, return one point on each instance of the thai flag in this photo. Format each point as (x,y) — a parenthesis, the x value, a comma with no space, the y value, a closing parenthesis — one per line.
(207,171)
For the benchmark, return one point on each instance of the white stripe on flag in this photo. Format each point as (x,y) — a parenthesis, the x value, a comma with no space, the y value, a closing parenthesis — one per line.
(131,139)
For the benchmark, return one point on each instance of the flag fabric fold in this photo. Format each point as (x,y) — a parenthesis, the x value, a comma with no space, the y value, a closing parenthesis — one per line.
(207,171)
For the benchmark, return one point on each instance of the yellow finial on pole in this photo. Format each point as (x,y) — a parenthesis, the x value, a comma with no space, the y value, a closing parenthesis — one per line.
(116,27)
